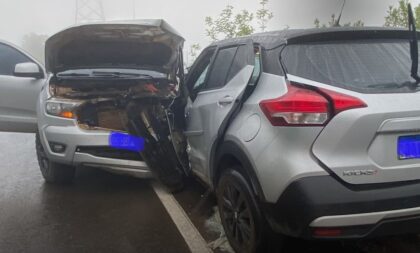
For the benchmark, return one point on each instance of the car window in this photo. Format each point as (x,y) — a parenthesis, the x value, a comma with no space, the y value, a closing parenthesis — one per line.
(239,62)
(201,79)
(374,66)
(197,75)
(9,57)
(257,67)
(221,67)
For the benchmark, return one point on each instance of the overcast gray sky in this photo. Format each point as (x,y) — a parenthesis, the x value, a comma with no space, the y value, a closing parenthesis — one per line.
(18,17)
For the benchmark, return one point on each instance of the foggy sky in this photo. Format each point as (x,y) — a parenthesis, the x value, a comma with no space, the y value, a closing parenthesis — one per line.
(19,17)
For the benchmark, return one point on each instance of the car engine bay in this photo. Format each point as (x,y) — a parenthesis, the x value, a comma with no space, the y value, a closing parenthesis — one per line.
(140,107)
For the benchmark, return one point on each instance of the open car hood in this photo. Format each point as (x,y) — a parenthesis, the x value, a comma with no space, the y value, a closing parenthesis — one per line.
(139,44)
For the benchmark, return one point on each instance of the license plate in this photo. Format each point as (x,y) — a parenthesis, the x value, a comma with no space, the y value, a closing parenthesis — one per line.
(126,142)
(409,147)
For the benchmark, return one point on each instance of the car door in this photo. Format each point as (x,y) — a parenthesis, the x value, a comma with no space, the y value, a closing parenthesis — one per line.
(216,84)
(20,87)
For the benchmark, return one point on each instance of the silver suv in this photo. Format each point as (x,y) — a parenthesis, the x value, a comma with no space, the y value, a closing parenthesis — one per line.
(70,103)
(95,69)
(308,133)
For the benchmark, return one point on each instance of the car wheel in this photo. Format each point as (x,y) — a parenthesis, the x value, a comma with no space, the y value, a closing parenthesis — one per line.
(241,217)
(52,172)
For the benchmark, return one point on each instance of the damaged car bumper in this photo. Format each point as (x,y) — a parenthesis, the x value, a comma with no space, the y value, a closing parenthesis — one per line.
(109,78)
(65,142)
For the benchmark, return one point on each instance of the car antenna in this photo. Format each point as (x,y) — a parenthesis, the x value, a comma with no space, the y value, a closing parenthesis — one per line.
(337,23)
(414,46)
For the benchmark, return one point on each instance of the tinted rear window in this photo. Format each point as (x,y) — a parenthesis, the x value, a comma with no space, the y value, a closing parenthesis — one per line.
(362,66)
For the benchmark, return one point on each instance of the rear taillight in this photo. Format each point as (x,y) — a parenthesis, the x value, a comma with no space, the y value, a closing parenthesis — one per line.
(302,106)
(342,102)
(297,107)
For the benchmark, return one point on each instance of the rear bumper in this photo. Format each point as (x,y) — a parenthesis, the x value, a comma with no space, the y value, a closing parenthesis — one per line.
(365,211)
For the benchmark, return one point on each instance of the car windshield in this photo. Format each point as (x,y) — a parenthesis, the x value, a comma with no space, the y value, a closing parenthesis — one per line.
(362,66)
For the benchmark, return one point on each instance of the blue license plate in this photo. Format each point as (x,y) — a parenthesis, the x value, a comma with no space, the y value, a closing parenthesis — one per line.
(409,147)
(126,142)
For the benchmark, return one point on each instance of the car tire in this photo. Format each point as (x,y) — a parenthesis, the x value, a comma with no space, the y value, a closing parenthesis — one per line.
(54,173)
(242,220)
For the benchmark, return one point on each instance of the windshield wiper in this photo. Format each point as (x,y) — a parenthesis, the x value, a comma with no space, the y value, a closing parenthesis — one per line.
(414,46)
(104,74)
(119,74)
(72,74)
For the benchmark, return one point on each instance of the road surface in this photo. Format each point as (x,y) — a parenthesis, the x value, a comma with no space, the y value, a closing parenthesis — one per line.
(102,212)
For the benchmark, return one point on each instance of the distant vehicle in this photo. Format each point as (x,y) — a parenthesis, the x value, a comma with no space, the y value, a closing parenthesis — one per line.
(308,133)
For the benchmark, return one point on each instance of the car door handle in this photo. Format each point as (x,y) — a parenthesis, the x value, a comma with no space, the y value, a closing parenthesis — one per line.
(225,101)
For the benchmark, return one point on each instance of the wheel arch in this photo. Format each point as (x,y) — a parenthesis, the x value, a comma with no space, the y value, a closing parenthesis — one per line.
(229,154)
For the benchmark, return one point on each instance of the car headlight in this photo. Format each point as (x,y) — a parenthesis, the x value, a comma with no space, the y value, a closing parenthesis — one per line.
(61,109)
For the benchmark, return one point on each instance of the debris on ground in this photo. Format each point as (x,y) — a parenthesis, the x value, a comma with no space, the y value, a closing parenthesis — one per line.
(214,224)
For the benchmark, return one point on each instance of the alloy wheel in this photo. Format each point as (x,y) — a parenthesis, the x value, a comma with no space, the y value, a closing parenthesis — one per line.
(236,212)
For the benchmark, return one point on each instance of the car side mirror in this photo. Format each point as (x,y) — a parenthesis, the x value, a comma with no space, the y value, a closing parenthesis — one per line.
(28,69)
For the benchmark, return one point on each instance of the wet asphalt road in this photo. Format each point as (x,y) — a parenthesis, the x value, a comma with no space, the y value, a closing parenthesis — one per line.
(100,212)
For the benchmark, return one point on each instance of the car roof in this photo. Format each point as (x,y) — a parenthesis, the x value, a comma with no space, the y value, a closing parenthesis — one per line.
(273,39)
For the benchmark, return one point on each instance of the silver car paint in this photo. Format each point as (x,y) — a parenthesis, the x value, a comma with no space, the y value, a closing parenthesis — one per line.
(366,139)
(205,117)
(67,131)
(280,155)
(18,98)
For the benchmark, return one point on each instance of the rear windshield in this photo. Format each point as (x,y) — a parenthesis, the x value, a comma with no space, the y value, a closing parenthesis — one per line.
(362,66)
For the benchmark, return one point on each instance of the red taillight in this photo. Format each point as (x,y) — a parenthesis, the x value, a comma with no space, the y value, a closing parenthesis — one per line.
(298,107)
(343,102)
(301,106)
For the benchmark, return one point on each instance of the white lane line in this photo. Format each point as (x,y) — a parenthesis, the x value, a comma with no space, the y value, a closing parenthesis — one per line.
(192,237)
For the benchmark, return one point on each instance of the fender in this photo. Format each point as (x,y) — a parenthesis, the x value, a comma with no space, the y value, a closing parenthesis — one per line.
(229,148)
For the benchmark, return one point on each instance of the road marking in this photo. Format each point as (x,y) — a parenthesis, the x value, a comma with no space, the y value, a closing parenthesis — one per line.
(192,237)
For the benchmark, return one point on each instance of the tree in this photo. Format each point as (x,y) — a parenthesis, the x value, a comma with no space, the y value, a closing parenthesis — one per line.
(35,45)
(264,15)
(397,16)
(194,50)
(359,23)
(333,22)
(230,24)
(317,23)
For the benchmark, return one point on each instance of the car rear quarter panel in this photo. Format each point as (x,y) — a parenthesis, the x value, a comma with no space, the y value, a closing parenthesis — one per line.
(279,155)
